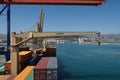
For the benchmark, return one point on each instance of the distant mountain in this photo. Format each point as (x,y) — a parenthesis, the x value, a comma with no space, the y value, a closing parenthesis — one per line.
(3,36)
(110,38)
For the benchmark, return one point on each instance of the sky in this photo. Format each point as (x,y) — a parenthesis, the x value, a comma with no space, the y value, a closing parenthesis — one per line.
(104,18)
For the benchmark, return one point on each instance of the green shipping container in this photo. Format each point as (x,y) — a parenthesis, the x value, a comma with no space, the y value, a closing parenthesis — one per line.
(30,76)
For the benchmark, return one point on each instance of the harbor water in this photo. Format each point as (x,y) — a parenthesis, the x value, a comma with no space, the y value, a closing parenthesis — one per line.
(88,61)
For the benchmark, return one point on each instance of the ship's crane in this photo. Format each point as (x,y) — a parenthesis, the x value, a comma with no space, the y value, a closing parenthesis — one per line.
(34,35)
(39,28)
(53,34)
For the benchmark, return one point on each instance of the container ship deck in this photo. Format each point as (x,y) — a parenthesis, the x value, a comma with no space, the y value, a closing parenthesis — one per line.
(43,66)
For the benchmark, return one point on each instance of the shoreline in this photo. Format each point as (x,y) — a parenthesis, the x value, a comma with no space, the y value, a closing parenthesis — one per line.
(102,43)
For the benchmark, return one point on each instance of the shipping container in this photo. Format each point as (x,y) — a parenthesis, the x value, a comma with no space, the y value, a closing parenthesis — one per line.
(52,69)
(11,77)
(26,74)
(4,77)
(40,69)
(7,69)
(22,66)
(23,48)
(49,54)
(50,51)
(24,56)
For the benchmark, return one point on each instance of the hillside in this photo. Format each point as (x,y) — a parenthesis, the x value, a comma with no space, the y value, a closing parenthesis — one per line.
(3,36)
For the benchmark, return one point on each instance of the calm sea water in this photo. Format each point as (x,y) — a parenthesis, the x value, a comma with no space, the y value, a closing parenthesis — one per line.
(88,61)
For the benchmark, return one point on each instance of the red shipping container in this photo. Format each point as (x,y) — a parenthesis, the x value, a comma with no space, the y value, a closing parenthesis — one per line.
(40,69)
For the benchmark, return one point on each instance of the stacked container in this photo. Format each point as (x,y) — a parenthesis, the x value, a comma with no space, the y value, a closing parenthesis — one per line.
(40,69)
(24,56)
(52,69)
(23,48)
(50,51)
(46,69)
